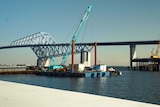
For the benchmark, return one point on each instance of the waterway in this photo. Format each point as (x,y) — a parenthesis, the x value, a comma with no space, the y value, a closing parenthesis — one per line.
(143,86)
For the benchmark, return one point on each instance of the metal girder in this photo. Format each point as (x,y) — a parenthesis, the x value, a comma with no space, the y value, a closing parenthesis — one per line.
(43,45)
(34,39)
(58,50)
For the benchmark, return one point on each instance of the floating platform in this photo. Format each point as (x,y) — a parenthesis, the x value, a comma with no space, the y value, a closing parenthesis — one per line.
(77,74)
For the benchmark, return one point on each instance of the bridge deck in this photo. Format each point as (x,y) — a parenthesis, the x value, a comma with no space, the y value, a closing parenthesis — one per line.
(151,42)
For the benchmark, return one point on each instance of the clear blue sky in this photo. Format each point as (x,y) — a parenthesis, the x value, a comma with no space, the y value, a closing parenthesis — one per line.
(110,20)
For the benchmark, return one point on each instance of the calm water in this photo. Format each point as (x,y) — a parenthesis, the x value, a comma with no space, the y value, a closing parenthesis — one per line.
(133,85)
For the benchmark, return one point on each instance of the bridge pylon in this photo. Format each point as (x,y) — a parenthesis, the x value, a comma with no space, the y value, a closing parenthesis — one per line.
(132,54)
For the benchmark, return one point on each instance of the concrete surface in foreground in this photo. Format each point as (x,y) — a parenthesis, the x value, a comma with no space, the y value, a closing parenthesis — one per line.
(21,95)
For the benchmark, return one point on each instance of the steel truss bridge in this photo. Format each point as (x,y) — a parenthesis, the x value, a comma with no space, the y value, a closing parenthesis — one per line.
(45,46)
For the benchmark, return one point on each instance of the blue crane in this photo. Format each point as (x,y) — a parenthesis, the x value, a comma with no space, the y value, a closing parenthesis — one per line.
(74,38)
(76,35)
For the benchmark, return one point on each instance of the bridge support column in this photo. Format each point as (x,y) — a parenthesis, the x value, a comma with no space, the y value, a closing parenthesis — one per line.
(88,59)
(85,58)
(82,56)
(132,54)
(41,62)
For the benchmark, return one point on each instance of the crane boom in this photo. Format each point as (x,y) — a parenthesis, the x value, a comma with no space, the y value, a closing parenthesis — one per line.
(158,46)
(155,55)
(75,37)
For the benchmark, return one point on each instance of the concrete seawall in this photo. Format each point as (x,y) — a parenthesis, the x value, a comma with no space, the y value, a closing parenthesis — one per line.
(21,95)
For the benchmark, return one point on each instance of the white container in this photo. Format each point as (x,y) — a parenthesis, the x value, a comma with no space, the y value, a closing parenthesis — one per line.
(77,67)
(101,68)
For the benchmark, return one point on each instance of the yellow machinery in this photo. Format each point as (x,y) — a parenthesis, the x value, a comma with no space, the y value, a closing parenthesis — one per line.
(155,55)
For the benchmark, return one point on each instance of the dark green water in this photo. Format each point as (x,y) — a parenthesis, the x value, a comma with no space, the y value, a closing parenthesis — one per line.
(140,86)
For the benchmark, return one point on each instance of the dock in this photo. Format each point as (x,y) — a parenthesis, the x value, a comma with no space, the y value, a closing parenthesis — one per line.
(147,64)
(5,70)
(22,95)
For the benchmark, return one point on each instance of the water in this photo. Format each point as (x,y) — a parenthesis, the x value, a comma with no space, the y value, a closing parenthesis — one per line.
(140,86)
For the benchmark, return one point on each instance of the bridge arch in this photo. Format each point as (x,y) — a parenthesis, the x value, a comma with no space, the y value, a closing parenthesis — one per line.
(45,46)
(41,38)
(35,39)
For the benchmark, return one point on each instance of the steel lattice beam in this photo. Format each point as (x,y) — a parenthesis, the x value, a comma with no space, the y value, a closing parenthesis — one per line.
(58,50)
(34,39)
(45,46)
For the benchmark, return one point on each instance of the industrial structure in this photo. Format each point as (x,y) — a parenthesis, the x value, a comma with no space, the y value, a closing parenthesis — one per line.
(46,54)
(76,70)
(74,39)
(46,49)
(155,54)
(149,64)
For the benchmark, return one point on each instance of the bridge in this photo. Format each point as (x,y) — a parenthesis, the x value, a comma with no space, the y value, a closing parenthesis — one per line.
(44,46)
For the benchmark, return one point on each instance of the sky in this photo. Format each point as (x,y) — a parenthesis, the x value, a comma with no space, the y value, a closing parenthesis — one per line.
(109,21)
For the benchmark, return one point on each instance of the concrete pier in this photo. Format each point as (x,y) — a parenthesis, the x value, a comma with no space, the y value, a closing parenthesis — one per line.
(21,95)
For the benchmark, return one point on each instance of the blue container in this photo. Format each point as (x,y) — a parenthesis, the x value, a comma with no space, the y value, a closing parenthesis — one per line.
(97,74)
(100,74)
(88,74)
(107,74)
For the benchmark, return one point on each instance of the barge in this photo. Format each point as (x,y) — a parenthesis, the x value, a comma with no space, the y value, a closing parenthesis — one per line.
(76,74)
(98,71)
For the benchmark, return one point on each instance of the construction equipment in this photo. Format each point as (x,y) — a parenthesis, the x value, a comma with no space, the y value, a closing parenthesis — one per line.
(74,38)
(155,55)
